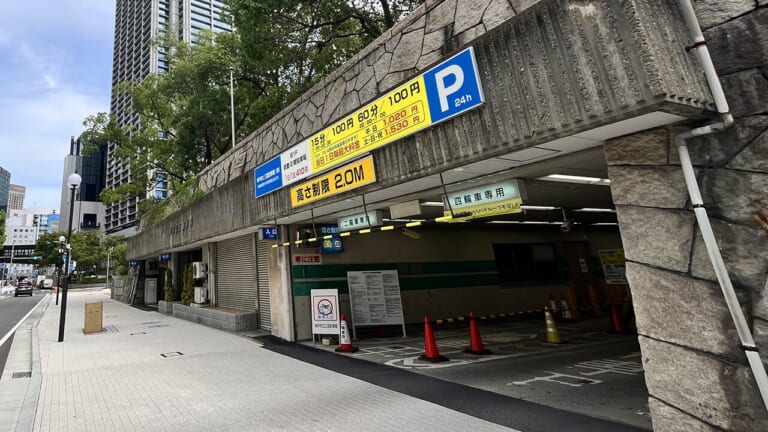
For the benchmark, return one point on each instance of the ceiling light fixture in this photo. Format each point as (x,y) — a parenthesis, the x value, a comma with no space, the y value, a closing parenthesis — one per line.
(576,179)
(432,204)
(596,210)
(526,207)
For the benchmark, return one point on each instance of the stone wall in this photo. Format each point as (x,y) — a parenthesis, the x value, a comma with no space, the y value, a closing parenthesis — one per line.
(696,372)
(547,69)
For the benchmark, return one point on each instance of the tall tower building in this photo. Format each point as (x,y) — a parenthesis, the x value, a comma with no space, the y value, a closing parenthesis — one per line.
(87,210)
(137,24)
(16,195)
(5,184)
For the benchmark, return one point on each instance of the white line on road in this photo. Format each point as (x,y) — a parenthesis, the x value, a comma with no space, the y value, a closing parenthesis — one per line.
(13,330)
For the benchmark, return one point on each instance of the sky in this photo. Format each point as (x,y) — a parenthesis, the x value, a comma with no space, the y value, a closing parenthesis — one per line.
(55,70)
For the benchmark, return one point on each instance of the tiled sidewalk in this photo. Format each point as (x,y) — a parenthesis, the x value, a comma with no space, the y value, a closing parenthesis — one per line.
(208,380)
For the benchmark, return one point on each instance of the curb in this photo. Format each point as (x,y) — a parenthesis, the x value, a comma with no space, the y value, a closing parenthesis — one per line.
(26,419)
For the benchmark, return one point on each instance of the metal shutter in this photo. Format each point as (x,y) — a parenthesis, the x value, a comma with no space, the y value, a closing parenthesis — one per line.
(235,285)
(262,272)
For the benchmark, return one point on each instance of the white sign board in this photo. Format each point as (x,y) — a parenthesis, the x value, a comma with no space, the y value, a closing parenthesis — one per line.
(325,311)
(375,298)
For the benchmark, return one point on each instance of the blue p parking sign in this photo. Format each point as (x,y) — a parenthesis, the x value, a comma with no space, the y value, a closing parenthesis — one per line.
(453,86)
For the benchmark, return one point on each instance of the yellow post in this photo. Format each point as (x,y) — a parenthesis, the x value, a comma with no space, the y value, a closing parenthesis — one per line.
(552,334)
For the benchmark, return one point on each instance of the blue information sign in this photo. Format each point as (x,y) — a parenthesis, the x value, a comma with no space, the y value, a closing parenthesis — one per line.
(268,177)
(453,86)
(269,233)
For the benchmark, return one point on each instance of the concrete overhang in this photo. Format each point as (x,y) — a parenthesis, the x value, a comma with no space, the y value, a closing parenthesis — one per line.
(559,78)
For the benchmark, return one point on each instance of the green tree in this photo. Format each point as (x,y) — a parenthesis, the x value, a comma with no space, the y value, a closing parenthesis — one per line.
(118,262)
(2,227)
(188,287)
(281,49)
(169,291)
(87,251)
(47,248)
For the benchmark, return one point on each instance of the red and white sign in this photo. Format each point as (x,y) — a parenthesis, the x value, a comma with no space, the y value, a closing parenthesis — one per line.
(325,311)
(307,259)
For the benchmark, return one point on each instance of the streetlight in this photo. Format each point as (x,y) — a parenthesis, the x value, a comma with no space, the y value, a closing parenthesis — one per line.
(232,101)
(73,181)
(109,253)
(10,264)
(62,239)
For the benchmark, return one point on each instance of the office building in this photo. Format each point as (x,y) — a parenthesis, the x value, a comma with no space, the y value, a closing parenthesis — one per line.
(5,183)
(137,23)
(16,195)
(88,210)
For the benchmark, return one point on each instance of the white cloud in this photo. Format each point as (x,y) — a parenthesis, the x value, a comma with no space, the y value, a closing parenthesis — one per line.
(37,133)
(55,58)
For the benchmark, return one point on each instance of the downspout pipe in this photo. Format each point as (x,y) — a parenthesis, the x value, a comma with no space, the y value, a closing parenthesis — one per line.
(725,121)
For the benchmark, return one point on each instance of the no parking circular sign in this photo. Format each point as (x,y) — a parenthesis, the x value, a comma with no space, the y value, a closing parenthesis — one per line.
(325,311)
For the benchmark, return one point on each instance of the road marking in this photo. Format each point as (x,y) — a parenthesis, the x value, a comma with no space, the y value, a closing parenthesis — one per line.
(578,380)
(8,335)
(610,366)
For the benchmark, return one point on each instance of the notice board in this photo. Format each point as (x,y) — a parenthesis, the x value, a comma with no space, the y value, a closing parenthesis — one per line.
(375,298)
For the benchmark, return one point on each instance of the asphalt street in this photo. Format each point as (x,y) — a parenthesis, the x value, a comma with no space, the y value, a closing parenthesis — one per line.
(12,309)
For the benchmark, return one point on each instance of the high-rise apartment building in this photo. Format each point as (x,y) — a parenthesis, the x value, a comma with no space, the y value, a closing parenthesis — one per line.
(137,24)
(16,195)
(5,184)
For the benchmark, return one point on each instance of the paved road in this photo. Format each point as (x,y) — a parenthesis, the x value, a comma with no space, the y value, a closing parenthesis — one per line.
(595,373)
(12,309)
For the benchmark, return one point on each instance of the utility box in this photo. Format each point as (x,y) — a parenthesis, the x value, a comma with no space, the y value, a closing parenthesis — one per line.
(93,317)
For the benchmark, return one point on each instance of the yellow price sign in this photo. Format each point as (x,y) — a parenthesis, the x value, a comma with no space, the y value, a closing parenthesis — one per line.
(348,177)
(398,113)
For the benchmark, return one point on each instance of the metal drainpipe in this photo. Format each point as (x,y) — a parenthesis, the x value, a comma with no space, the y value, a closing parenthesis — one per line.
(726,120)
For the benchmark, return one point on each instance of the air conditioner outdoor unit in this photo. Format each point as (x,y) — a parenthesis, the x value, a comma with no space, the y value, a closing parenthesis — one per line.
(200,295)
(198,270)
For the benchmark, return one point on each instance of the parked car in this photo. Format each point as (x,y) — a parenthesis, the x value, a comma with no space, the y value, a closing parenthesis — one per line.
(48,283)
(24,286)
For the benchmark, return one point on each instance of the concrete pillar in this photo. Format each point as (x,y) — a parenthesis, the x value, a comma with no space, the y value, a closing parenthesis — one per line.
(697,375)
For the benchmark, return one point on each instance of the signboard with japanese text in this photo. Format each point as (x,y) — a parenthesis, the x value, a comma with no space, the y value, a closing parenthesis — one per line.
(359,221)
(375,298)
(307,259)
(348,177)
(325,311)
(269,233)
(484,201)
(448,89)
(614,266)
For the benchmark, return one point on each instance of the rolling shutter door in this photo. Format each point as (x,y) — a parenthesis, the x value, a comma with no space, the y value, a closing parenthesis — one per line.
(262,273)
(235,285)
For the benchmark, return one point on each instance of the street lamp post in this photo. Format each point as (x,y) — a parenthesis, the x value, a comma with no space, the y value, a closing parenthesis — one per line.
(109,254)
(10,264)
(62,239)
(73,181)
(232,101)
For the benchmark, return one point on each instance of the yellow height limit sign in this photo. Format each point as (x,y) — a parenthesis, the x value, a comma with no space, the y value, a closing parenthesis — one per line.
(400,112)
(348,177)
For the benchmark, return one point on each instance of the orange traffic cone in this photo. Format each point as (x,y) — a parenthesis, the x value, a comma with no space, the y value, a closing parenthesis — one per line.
(431,354)
(475,342)
(617,323)
(346,341)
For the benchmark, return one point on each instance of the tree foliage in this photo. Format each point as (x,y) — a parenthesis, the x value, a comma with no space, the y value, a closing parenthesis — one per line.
(47,248)
(280,49)
(2,227)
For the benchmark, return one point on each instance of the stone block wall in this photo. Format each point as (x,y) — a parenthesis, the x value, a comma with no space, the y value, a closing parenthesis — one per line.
(696,372)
